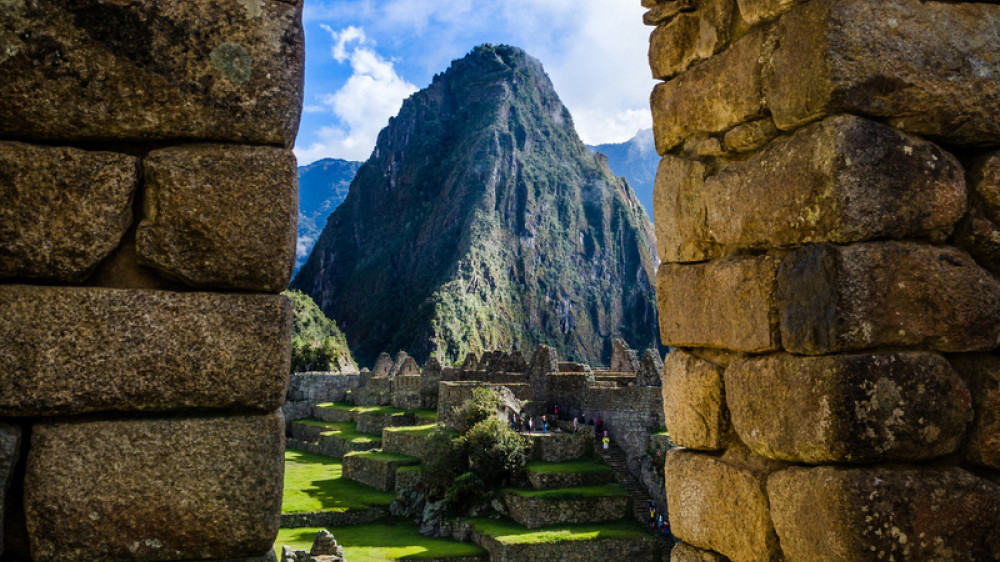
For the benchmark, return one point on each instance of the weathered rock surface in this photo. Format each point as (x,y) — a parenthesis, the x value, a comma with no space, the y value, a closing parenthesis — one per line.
(712,97)
(845,179)
(694,407)
(210,227)
(661,12)
(70,350)
(650,369)
(982,373)
(754,11)
(926,67)
(10,450)
(62,210)
(984,185)
(903,406)
(155,489)
(899,294)
(210,70)
(750,136)
(690,37)
(981,238)
(710,500)
(681,217)
(687,553)
(882,513)
(729,303)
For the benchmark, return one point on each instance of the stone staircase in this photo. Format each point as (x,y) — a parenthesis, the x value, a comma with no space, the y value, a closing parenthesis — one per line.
(614,456)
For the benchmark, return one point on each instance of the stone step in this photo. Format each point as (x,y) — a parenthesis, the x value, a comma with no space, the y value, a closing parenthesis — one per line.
(376,468)
(332,439)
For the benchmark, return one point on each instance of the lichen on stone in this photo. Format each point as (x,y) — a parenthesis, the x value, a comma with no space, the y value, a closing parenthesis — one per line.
(232,61)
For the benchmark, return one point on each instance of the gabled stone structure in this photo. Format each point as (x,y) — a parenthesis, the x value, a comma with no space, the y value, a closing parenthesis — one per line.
(824,209)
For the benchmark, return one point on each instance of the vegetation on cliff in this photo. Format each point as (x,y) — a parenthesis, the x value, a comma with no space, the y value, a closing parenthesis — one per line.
(317,343)
(323,186)
(481,221)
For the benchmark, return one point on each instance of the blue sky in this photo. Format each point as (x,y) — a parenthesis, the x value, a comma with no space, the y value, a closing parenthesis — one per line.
(363,57)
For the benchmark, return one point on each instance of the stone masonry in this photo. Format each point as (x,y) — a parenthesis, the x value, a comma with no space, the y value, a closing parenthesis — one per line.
(148,203)
(827,208)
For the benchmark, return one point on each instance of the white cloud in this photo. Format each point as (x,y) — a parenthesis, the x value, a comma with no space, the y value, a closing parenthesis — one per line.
(363,105)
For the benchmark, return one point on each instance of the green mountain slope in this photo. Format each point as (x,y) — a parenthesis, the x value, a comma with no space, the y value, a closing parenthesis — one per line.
(323,187)
(482,221)
(636,160)
(317,343)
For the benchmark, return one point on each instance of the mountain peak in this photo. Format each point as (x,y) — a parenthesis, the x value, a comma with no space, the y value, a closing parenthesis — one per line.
(481,221)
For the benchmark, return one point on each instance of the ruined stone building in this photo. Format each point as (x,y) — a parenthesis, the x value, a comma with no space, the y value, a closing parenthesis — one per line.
(147,222)
(826,208)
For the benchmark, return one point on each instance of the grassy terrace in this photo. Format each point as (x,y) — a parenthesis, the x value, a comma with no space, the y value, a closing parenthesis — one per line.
(377,542)
(509,532)
(423,430)
(345,430)
(586,465)
(315,483)
(382,456)
(429,415)
(573,492)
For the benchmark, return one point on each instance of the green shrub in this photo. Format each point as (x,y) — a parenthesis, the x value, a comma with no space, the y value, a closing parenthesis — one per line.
(443,458)
(485,403)
(495,452)
(467,490)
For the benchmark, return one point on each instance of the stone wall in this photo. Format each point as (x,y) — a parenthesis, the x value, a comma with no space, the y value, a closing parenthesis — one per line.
(147,224)
(592,550)
(306,390)
(826,208)
(534,513)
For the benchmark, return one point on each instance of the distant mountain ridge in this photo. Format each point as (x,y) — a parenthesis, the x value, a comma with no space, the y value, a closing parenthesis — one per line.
(481,221)
(323,186)
(636,160)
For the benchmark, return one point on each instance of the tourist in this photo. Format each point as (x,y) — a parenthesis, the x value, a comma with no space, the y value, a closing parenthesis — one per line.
(576,425)
(531,424)
(599,425)
(606,441)
(555,411)
(545,425)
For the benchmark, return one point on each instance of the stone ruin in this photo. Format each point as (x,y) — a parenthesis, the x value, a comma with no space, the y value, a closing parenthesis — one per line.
(827,212)
(626,400)
(324,549)
(148,210)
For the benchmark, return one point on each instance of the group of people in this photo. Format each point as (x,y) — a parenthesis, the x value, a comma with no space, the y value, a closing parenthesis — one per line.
(526,424)
(657,521)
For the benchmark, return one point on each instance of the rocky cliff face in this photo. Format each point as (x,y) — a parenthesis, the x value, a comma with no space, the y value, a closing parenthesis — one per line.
(635,160)
(323,186)
(482,221)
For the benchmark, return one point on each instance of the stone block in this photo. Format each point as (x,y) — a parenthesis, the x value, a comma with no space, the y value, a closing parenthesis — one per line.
(729,303)
(679,207)
(754,11)
(10,450)
(375,468)
(902,406)
(690,37)
(984,185)
(663,12)
(981,238)
(103,71)
(886,294)
(750,136)
(711,98)
(928,67)
(155,489)
(982,373)
(844,179)
(66,350)
(687,553)
(882,513)
(212,228)
(62,210)
(694,404)
(720,507)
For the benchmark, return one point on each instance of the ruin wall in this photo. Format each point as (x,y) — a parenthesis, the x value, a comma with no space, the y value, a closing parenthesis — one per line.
(826,210)
(148,207)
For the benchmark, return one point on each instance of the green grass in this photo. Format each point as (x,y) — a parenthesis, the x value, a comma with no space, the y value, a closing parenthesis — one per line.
(509,532)
(429,415)
(573,492)
(412,468)
(316,483)
(586,465)
(423,430)
(382,456)
(378,542)
(344,430)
